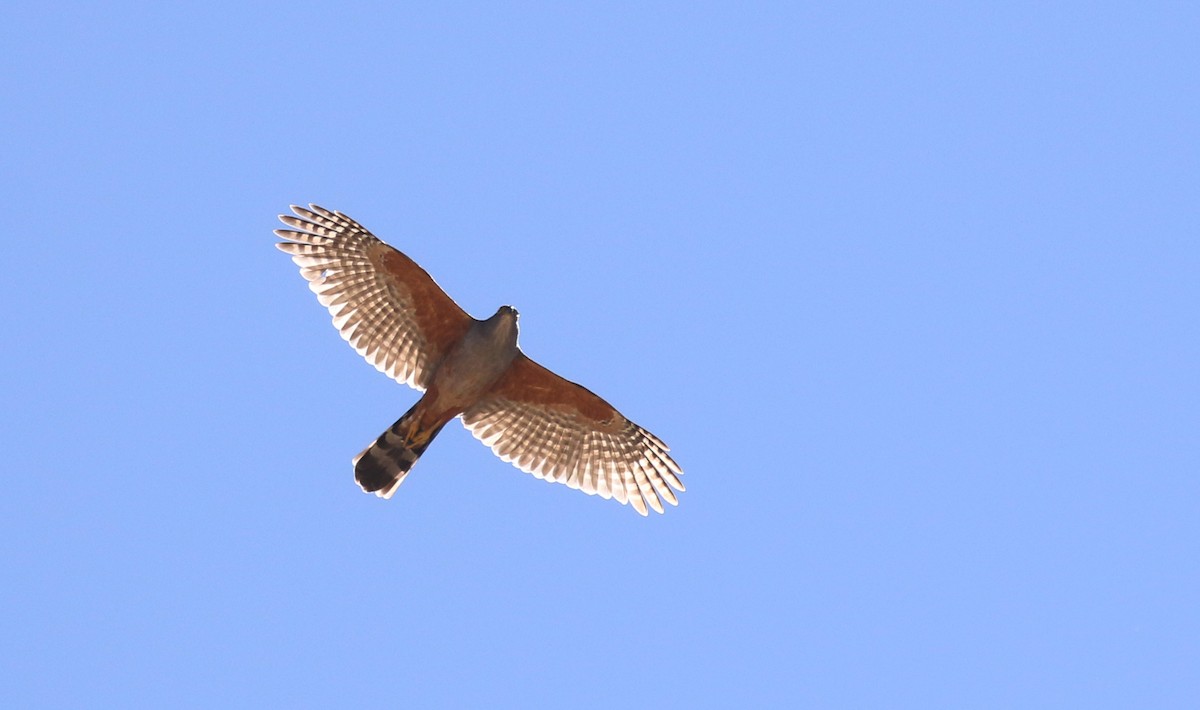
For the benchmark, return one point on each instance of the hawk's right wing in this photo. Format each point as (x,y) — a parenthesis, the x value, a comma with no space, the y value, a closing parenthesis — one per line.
(388,308)
(562,432)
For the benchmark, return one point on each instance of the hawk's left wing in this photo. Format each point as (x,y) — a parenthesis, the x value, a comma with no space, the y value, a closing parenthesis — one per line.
(562,432)
(385,305)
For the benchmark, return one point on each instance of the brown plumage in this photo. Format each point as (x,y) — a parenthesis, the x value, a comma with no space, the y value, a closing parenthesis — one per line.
(391,311)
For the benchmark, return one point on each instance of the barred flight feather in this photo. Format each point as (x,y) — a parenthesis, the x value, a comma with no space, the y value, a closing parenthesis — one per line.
(394,315)
(627,463)
(370,291)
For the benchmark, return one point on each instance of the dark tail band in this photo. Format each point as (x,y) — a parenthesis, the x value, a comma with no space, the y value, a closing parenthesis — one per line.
(382,466)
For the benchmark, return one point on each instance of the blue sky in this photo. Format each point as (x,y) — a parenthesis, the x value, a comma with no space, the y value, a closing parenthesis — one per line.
(910,289)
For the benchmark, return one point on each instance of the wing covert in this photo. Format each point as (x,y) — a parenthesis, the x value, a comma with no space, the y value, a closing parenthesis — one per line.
(386,306)
(561,432)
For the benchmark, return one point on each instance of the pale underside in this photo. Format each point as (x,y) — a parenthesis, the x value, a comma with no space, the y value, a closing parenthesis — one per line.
(399,320)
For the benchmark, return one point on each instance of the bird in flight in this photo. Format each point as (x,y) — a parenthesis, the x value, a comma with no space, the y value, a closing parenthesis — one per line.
(391,311)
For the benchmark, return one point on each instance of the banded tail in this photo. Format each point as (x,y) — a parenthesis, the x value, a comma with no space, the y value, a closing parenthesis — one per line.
(382,466)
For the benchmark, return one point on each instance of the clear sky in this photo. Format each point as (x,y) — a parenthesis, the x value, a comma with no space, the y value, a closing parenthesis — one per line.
(910,289)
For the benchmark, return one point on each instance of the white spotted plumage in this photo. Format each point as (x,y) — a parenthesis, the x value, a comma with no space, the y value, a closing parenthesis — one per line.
(393,313)
(630,464)
(370,312)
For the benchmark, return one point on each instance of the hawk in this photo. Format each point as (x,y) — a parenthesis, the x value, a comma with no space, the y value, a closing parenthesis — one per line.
(391,311)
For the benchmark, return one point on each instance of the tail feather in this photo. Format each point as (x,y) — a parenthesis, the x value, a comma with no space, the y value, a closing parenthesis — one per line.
(382,466)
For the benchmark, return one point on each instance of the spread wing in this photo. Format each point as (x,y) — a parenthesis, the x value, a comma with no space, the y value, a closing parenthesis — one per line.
(561,432)
(382,303)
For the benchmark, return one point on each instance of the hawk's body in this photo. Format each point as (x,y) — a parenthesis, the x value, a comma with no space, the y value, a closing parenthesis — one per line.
(394,314)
